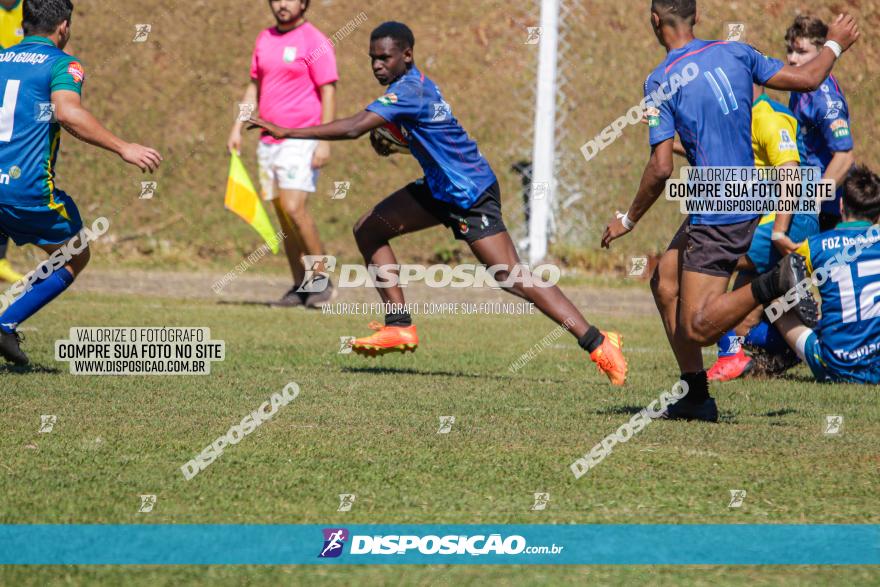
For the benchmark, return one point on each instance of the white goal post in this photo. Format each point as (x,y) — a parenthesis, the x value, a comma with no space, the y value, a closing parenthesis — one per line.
(543,155)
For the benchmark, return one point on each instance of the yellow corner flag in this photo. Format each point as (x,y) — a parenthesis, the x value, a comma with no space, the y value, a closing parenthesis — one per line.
(241,198)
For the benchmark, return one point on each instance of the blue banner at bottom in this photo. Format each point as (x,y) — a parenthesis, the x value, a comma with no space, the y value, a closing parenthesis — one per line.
(598,544)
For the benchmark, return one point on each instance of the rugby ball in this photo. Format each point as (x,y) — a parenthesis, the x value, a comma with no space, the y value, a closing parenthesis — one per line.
(391,135)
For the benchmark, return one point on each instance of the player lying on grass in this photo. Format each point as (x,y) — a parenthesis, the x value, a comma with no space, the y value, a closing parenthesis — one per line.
(459,190)
(690,282)
(32,209)
(845,347)
(774,143)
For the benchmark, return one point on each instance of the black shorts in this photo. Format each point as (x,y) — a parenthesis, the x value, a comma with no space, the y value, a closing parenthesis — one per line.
(716,249)
(481,220)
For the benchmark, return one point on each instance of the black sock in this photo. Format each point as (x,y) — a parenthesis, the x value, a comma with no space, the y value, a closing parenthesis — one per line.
(764,288)
(698,387)
(592,340)
(403,319)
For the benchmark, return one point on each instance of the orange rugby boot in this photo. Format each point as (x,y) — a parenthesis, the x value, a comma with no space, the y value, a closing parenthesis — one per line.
(387,339)
(609,358)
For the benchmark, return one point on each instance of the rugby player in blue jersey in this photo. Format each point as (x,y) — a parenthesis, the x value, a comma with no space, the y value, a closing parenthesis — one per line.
(845,346)
(459,190)
(823,114)
(37,77)
(712,114)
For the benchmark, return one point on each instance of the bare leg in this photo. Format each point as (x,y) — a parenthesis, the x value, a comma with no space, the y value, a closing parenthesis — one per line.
(498,249)
(753,318)
(665,285)
(293,247)
(302,237)
(398,214)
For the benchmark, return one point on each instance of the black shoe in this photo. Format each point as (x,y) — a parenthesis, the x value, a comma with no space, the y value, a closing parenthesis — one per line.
(770,365)
(788,273)
(11,350)
(807,309)
(685,410)
(291,299)
(322,298)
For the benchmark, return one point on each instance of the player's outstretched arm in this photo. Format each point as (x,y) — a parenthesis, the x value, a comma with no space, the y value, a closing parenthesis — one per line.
(79,122)
(844,31)
(657,171)
(339,130)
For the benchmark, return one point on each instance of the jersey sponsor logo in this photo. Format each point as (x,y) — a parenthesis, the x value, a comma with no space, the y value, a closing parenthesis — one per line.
(388,99)
(840,128)
(289,54)
(12,173)
(786,143)
(653,115)
(76,72)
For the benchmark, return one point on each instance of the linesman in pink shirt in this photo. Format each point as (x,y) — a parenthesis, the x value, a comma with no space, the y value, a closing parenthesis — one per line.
(293,84)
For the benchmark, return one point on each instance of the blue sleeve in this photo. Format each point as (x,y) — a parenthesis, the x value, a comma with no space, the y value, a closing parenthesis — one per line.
(402,102)
(831,115)
(661,119)
(762,67)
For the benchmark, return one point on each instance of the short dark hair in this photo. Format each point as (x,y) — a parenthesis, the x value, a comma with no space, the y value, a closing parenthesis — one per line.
(861,194)
(42,17)
(396,31)
(674,12)
(806,27)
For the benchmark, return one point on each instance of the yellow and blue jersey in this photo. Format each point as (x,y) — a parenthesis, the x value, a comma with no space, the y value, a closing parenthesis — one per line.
(775,139)
(29,134)
(847,342)
(10,25)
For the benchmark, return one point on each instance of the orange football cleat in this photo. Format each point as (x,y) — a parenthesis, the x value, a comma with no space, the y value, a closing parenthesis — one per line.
(609,358)
(387,339)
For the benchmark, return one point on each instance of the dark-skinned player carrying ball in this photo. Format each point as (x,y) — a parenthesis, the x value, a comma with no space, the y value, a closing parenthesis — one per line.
(459,190)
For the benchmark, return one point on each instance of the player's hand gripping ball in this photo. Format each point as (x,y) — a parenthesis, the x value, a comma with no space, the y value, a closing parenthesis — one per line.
(388,140)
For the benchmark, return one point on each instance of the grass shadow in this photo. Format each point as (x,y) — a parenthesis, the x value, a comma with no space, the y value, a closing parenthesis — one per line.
(409,371)
(30,370)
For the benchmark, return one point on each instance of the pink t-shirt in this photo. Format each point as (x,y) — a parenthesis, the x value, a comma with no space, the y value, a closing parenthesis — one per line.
(289,68)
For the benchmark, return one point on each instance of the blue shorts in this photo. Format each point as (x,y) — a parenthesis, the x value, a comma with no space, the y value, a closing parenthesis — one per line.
(50,224)
(814,357)
(762,252)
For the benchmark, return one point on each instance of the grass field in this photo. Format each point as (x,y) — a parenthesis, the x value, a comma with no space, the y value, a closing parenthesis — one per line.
(369,427)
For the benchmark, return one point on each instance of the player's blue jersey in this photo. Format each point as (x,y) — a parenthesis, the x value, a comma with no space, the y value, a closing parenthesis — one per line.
(454,168)
(712,110)
(824,126)
(849,331)
(29,134)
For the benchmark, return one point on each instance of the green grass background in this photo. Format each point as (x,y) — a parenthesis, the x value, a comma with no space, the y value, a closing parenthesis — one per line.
(369,427)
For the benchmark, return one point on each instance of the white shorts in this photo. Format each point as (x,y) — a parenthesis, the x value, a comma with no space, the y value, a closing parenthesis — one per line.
(289,164)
